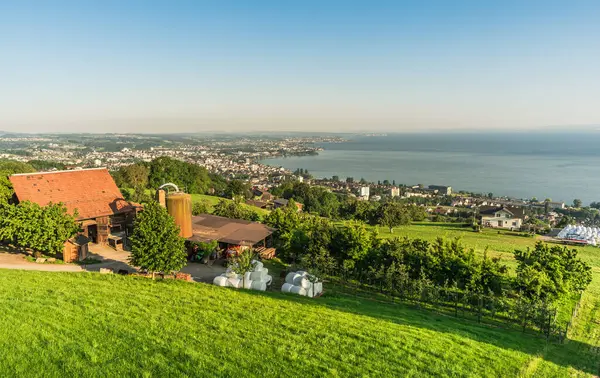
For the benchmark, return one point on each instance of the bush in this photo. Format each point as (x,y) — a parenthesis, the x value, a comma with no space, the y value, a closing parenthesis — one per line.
(200,207)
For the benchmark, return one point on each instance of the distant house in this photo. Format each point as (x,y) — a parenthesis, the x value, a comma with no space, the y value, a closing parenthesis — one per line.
(91,194)
(501,217)
(281,202)
(441,189)
(259,204)
(267,197)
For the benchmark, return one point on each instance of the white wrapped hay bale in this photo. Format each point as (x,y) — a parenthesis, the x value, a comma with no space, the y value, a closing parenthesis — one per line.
(298,290)
(318,289)
(246,284)
(247,276)
(231,274)
(220,281)
(286,287)
(291,277)
(302,282)
(257,265)
(302,273)
(258,276)
(234,282)
(267,280)
(258,285)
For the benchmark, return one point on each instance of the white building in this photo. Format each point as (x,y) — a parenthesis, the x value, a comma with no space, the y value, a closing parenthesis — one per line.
(395,192)
(364,191)
(501,217)
(97,162)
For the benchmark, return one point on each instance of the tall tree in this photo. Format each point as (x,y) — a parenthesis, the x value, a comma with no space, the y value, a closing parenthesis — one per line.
(155,243)
(237,188)
(191,178)
(392,214)
(7,168)
(577,203)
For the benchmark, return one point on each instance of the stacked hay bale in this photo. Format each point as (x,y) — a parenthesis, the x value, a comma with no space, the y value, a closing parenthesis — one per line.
(302,283)
(258,279)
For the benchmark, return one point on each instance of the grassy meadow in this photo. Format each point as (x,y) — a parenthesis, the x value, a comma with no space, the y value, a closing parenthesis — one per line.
(87,324)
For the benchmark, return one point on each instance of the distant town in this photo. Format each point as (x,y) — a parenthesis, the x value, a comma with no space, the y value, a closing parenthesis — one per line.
(241,156)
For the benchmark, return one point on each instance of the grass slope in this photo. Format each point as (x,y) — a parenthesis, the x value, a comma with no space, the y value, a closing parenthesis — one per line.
(73,324)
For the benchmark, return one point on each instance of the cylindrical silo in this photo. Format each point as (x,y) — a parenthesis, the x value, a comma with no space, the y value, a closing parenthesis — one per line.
(179,205)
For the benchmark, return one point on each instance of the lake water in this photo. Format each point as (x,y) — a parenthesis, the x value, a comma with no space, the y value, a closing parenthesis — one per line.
(520,165)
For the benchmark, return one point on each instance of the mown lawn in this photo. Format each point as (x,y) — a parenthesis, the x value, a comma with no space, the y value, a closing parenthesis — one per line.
(87,324)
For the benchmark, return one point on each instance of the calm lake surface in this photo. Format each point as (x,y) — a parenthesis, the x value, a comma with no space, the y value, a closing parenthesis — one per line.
(520,165)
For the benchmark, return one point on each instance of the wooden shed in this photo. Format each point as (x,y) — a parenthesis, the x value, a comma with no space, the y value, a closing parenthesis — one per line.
(76,249)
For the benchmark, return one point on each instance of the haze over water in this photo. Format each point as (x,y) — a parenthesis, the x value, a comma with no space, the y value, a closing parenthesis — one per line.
(521,165)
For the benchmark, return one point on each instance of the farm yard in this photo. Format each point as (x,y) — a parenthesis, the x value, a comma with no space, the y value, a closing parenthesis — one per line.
(65,324)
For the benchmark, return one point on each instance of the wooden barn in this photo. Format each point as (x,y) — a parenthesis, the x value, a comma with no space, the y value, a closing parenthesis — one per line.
(91,194)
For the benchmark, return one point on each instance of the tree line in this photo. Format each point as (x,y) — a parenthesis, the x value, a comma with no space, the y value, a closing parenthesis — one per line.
(546,274)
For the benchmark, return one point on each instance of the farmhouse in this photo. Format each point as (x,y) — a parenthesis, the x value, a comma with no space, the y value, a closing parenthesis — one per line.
(282,202)
(233,233)
(501,217)
(90,194)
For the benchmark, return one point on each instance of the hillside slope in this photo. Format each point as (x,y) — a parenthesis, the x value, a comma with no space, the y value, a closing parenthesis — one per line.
(57,324)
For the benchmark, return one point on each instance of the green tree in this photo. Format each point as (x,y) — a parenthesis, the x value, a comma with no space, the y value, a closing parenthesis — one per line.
(155,243)
(335,178)
(550,272)
(576,203)
(242,264)
(7,168)
(191,178)
(234,209)
(237,188)
(44,165)
(349,180)
(44,229)
(352,243)
(392,215)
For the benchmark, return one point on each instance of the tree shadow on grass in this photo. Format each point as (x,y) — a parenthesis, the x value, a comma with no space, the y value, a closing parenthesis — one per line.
(572,353)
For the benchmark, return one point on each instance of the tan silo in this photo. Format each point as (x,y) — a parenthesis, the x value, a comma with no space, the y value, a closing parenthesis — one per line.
(179,206)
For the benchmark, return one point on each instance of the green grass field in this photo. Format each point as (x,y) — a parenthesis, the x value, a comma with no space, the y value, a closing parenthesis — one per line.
(87,324)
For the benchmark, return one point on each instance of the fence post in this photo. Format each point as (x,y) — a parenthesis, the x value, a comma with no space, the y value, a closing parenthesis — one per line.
(479,305)
(455,304)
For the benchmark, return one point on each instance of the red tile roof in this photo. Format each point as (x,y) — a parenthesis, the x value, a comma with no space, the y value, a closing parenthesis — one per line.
(92,192)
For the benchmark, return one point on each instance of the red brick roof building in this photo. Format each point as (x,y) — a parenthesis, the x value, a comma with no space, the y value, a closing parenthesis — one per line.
(92,194)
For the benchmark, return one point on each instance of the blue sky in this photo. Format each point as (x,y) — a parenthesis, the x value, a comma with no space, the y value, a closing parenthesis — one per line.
(159,66)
